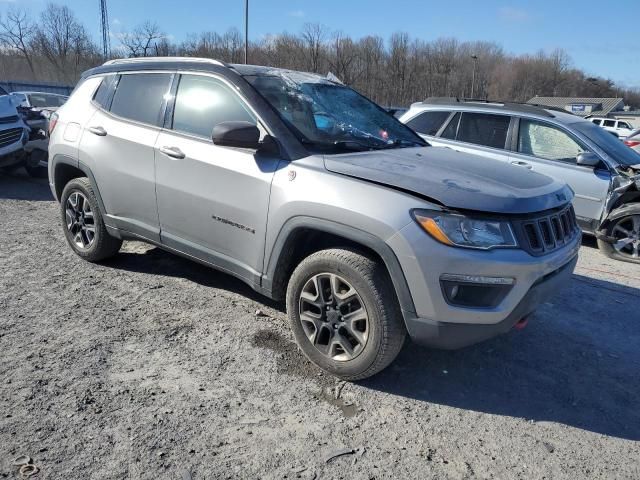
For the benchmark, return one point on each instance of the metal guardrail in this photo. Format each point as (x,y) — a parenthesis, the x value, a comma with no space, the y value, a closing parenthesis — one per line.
(17,86)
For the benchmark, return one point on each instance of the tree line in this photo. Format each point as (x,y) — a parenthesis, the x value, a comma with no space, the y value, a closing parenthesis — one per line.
(55,46)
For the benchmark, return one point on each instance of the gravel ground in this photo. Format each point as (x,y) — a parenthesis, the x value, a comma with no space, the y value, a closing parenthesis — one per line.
(150,366)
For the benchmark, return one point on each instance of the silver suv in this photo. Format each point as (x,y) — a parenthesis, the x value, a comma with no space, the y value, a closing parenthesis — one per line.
(312,194)
(602,171)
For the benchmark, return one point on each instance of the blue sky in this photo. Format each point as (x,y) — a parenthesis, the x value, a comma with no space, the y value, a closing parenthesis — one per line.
(601,38)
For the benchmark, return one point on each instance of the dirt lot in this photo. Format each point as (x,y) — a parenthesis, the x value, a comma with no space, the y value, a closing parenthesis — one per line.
(150,366)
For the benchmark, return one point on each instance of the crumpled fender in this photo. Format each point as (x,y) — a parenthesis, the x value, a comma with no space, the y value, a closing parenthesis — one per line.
(623,211)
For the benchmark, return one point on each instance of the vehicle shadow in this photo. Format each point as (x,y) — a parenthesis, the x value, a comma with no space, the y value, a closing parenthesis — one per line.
(589,241)
(155,261)
(18,185)
(576,363)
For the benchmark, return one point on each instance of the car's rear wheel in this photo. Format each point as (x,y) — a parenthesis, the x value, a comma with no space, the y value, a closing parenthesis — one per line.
(344,313)
(625,233)
(83,224)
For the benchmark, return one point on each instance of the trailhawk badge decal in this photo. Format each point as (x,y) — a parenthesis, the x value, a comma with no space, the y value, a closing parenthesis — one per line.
(234,224)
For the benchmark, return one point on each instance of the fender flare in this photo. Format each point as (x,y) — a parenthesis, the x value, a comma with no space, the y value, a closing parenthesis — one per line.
(366,239)
(61,159)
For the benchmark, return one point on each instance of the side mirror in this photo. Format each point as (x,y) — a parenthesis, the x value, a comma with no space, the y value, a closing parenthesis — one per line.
(236,134)
(587,159)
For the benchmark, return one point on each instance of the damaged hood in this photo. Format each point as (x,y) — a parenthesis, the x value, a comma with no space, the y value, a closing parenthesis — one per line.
(454,179)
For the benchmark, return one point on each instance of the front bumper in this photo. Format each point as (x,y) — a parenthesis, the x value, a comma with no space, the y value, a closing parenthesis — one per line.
(436,322)
(451,336)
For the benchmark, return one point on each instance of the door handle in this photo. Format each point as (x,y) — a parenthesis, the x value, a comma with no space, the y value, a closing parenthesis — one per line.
(520,163)
(101,132)
(173,152)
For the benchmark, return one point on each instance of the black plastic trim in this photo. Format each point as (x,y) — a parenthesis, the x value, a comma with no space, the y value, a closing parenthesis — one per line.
(350,233)
(451,336)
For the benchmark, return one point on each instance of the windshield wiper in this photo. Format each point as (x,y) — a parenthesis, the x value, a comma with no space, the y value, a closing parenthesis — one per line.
(398,143)
(353,145)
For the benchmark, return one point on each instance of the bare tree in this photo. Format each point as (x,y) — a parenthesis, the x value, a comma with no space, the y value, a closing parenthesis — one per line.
(144,41)
(17,33)
(64,42)
(313,36)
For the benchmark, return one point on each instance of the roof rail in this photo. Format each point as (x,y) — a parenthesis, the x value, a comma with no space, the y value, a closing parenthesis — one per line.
(514,106)
(119,61)
(528,108)
(550,107)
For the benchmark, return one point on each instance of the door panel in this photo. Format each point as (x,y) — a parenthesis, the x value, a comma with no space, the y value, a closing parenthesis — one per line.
(121,157)
(550,150)
(213,203)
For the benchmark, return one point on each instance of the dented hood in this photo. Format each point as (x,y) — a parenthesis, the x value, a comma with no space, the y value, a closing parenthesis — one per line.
(454,179)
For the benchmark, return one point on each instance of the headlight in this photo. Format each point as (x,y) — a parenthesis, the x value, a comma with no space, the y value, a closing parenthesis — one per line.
(461,231)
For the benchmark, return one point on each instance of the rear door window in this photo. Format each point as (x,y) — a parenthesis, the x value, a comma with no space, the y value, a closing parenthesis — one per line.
(484,129)
(608,123)
(548,142)
(202,102)
(139,96)
(428,123)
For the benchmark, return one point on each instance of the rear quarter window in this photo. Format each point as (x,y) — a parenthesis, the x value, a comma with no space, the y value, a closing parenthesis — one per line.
(139,96)
(104,93)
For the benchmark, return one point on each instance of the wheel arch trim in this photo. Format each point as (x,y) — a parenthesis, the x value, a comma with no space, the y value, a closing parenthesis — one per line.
(353,234)
(61,159)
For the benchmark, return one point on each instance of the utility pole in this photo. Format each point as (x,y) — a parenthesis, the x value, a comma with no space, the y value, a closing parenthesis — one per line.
(473,76)
(104,21)
(246,31)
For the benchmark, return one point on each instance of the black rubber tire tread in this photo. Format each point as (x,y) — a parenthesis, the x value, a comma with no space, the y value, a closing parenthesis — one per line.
(105,246)
(605,247)
(371,280)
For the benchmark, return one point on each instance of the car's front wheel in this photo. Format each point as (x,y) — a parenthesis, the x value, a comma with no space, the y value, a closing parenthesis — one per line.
(624,233)
(83,224)
(344,313)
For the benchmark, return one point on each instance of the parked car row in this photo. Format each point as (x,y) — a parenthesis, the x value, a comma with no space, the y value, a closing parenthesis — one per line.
(24,120)
(602,171)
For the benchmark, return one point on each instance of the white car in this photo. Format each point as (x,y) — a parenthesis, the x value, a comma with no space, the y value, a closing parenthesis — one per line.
(619,127)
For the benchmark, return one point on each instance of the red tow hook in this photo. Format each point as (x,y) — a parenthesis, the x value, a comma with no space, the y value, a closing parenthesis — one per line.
(520,324)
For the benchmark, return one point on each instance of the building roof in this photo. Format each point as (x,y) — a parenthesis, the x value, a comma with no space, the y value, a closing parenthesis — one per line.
(627,113)
(581,106)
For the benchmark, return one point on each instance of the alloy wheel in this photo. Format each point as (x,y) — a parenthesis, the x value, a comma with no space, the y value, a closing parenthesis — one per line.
(627,234)
(80,220)
(333,317)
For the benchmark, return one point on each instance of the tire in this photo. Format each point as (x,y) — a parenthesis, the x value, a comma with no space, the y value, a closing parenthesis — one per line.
(91,247)
(628,221)
(322,331)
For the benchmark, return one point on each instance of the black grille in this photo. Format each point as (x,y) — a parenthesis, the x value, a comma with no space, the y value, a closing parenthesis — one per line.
(10,119)
(7,137)
(547,231)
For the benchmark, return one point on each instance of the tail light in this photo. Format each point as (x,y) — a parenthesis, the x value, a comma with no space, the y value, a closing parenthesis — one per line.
(53,121)
(632,143)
